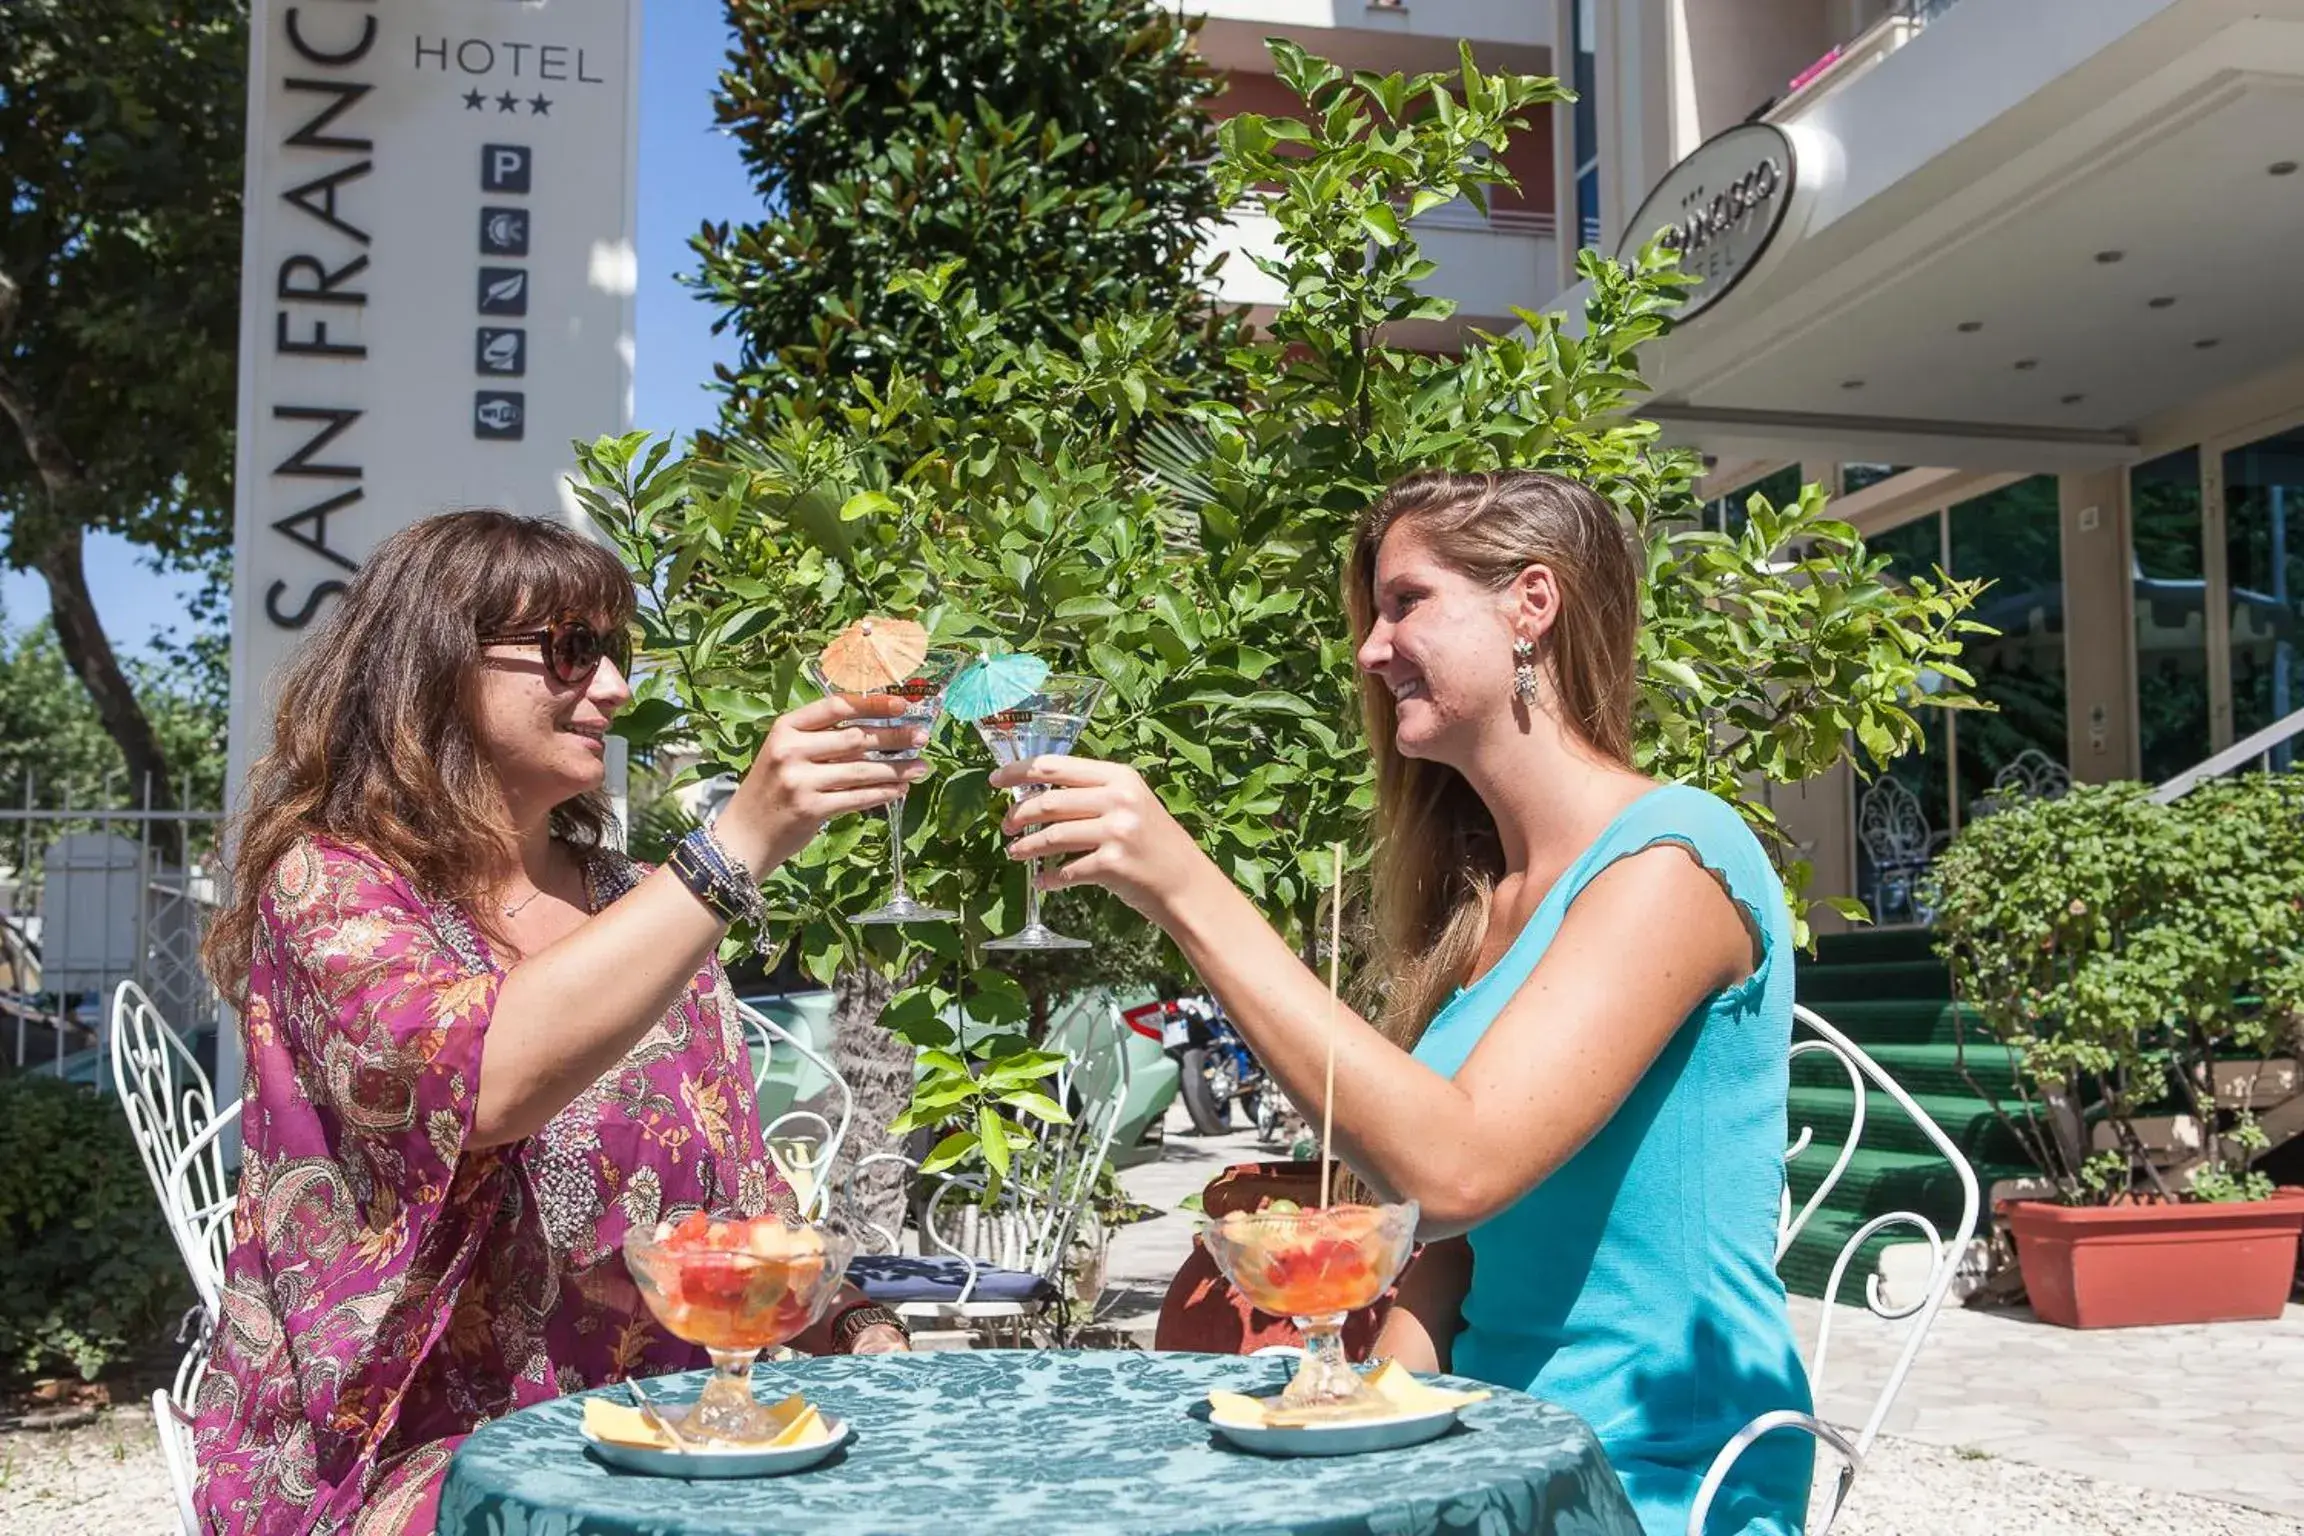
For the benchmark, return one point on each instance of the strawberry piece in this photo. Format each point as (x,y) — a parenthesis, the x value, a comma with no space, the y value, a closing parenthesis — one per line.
(1323,1275)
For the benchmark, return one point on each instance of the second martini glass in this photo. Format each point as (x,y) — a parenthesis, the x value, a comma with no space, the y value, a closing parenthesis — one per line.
(923,695)
(1044,725)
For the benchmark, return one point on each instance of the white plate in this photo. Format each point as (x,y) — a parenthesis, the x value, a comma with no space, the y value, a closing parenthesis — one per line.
(720,1463)
(1354,1437)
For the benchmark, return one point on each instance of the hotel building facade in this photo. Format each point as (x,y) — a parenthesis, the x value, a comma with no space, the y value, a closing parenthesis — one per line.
(2011,277)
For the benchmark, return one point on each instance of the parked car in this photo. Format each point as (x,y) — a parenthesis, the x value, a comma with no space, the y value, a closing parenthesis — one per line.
(1153,1079)
(91,1066)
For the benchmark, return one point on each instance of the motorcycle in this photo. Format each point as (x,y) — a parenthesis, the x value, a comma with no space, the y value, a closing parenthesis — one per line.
(1217,1068)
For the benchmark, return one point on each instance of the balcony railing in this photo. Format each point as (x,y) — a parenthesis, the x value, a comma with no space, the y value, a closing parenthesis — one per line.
(1900,25)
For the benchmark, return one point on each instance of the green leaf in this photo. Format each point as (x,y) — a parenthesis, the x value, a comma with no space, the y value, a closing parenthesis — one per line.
(1038,1105)
(1679,671)
(995,997)
(992,1137)
(1178,617)
(949,1152)
(865,504)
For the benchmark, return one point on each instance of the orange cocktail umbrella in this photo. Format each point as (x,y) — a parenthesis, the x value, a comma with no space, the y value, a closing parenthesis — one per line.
(872,654)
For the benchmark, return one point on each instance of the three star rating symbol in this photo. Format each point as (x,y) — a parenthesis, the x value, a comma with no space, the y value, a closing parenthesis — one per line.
(538,105)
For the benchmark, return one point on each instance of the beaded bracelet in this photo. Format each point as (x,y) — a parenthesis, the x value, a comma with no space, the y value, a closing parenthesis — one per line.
(719,880)
(846,1325)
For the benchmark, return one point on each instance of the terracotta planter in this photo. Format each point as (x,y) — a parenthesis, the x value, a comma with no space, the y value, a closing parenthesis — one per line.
(1202,1312)
(2133,1266)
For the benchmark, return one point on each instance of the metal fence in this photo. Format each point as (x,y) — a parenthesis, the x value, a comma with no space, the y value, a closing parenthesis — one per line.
(96,895)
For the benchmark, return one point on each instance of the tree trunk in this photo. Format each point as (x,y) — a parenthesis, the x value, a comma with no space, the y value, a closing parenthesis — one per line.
(877,1067)
(89,653)
(2068,1125)
(57,557)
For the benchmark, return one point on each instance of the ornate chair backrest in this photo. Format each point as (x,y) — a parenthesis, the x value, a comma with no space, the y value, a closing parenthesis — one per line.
(2030,775)
(804,1143)
(172,1114)
(1814,1035)
(1891,825)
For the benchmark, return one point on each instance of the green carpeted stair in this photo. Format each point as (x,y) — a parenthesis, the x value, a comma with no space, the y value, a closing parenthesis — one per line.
(1888,993)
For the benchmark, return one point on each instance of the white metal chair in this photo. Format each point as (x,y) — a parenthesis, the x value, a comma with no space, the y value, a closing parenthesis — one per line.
(806,1159)
(1000,1263)
(1894,833)
(1038,1210)
(180,1132)
(172,1416)
(1945,1253)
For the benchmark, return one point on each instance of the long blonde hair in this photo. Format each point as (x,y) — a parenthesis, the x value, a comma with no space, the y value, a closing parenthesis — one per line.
(1438,854)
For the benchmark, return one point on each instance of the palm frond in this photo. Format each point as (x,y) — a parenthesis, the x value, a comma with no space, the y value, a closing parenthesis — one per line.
(1169,459)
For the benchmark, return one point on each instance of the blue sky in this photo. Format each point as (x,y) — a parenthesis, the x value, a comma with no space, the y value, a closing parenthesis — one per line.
(689,173)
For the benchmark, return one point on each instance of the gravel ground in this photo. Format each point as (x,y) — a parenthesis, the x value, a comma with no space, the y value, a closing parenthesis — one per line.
(1910,1489)
(108,1478)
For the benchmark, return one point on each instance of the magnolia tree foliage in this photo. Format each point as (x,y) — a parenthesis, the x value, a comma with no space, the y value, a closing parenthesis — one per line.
(1058,498)
(1055,145)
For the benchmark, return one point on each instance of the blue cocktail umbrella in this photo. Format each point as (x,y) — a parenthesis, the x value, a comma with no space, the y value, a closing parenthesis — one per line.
(990,684)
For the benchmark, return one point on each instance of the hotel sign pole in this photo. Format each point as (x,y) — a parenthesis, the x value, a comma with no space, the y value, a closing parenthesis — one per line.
(438,269)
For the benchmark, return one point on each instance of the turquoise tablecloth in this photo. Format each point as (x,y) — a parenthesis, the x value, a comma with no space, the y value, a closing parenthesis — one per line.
(1045,1443)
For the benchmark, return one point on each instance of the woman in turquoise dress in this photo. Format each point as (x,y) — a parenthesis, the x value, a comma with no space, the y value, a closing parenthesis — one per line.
(1579,1070)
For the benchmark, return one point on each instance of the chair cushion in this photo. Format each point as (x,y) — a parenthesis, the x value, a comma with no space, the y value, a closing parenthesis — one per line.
(891,1278)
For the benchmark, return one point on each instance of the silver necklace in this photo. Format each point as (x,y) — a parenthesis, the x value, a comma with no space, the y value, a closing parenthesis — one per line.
(518,907)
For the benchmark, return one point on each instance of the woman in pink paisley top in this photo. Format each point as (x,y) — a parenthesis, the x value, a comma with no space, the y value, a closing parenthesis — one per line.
(480,1044)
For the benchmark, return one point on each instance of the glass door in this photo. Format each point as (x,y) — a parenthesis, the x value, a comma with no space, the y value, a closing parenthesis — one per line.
(2170,575)
(2263,506)
(1904,813)
(2012,539)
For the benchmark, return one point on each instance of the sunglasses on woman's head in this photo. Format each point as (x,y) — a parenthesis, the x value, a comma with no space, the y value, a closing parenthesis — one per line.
(572,648)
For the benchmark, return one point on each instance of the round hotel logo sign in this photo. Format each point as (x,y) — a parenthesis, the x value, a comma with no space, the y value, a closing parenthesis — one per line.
(1719,208)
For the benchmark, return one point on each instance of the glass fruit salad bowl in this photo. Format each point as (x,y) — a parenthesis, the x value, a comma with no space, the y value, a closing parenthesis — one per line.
(736,1285)
(1315,1265)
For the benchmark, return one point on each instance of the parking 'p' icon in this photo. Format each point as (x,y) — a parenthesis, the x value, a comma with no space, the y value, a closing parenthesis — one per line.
(504,167)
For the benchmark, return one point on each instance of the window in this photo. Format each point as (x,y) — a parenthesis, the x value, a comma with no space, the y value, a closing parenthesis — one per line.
(2012,538)
(1726,514)
(1856,477)
(1584,123)
(1891,847)
(2171,614)
(2264,554)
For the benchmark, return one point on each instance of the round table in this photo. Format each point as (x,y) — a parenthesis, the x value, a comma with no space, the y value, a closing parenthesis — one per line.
(1009,1442)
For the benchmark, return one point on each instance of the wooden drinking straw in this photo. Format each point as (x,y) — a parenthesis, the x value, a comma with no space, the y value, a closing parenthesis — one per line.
(1335,953)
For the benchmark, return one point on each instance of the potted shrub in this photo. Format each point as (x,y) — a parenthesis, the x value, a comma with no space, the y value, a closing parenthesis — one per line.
(2120,949)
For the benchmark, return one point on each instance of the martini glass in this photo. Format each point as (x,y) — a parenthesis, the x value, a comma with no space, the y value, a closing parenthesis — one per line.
(923,695)
(1044,725)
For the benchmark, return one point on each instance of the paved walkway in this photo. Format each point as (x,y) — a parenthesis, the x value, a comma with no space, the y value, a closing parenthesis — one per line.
(2209,1412)
(1146,1255)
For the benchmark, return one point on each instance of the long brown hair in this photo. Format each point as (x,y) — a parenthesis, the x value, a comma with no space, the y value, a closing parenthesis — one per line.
(373,741)
(1438,854)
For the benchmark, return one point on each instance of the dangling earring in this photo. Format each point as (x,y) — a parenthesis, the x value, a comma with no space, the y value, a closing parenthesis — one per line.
(1524,671)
